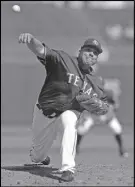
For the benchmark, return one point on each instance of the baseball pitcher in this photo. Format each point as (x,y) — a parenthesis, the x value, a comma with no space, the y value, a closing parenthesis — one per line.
(58,106)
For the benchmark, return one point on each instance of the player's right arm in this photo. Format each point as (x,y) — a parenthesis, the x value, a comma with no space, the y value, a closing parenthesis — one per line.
(43,53)
(33,44)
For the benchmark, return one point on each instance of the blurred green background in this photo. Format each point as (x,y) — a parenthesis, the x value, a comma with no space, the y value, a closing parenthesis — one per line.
(22,75)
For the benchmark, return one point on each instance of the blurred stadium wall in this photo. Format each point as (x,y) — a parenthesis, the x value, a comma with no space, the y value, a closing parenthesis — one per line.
(66,28)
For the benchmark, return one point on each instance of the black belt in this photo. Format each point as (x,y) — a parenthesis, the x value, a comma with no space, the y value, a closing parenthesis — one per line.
(50,113)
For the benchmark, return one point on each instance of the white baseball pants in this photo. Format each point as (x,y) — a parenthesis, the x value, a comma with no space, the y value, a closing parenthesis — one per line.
(45,131)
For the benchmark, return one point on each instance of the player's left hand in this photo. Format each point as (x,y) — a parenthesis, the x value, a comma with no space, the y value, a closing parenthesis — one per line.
(92,104)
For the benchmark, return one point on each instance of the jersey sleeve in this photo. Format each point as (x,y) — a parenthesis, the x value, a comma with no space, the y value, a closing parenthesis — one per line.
(108,94)
(51,56)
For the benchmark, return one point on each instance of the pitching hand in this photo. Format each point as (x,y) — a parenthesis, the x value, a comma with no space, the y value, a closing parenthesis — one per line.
(25,38)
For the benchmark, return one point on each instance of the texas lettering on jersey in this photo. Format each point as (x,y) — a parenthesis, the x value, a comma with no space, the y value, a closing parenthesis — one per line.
(75,80)
(64,80)
(87,88)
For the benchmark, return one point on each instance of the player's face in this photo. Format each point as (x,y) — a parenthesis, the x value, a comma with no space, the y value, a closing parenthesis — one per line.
(88,57)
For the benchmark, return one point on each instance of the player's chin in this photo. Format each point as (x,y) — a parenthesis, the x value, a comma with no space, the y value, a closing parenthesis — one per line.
(90,63)
(93,63)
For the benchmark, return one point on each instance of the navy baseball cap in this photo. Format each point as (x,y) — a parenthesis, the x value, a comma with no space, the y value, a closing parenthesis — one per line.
(93,43)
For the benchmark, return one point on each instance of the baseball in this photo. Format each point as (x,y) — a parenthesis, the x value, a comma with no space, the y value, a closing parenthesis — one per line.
(16,8)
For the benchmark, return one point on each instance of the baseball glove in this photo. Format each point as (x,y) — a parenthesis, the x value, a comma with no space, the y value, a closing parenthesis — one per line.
(93,104)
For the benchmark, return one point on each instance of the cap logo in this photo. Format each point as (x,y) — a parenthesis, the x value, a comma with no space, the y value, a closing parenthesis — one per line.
(95,42)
